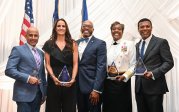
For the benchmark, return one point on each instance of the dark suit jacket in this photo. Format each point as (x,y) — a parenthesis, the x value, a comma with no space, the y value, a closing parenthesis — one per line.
(20,65)
(92,66)
(157,59)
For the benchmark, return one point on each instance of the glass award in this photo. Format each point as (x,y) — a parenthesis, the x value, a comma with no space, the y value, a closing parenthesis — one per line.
(140,67)
(35,74)
(112,72)
(64,76)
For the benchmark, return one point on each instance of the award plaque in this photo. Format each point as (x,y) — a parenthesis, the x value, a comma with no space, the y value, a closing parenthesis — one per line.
(64,76)
(140,67)
(112,72)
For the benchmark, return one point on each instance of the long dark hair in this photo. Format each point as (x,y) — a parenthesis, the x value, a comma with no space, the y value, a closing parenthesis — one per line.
(68,38)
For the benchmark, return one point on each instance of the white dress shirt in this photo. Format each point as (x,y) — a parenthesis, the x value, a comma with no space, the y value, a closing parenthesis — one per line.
(123,55)
(146,43)
(81,47)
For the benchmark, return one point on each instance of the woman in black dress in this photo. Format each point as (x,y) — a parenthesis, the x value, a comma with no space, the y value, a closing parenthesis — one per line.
(61,51)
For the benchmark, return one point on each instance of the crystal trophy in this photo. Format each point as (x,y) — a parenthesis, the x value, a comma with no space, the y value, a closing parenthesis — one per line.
(112,72)
(140,67)
(35,74)
(64,76)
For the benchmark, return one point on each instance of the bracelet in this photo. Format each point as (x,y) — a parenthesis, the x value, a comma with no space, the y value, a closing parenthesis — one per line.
(52,75)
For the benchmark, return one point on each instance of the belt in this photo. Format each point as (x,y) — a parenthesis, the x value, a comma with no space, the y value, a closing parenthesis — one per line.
(115,74)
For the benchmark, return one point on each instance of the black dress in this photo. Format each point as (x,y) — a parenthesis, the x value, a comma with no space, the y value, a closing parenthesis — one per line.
(60,99)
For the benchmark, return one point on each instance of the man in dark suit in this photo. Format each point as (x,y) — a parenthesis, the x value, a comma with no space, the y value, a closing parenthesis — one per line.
(26,66)
(92,69)
(158,60)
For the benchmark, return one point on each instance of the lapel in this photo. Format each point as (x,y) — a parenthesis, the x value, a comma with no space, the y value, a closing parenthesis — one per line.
(137,49)
(150,46)
(30,55)
(78,42)
(90,43)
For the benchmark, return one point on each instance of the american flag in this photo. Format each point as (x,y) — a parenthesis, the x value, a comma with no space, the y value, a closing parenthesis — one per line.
(27,21)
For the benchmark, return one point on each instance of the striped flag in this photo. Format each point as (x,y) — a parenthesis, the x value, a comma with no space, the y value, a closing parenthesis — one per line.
(84,11)
(55,13)
(27,21)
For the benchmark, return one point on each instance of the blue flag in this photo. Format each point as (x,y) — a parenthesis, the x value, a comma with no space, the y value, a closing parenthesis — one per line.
(55,13)
(84,11)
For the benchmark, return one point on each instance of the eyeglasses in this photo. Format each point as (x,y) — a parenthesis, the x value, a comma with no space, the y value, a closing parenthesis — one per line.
(88,26)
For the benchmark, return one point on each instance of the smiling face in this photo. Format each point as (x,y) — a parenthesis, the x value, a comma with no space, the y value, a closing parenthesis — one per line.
(61,28)
(32,36)
(117,31)
(87,28)
(145,29)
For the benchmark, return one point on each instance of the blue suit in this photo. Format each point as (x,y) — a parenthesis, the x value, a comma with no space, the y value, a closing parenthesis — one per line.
(20,65)
(92,69)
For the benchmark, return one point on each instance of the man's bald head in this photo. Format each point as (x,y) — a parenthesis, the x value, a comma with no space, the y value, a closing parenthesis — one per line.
(32,36)
(32,29)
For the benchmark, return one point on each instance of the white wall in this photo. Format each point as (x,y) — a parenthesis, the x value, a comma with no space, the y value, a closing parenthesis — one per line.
(163,13)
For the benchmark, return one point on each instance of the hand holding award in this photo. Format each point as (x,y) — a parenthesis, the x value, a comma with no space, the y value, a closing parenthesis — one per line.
(140,67)
(112,71)
(64,76)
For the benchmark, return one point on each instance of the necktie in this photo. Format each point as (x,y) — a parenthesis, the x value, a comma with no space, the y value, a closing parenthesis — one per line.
(85,39)
(37,57)
(142,50)
(115,43)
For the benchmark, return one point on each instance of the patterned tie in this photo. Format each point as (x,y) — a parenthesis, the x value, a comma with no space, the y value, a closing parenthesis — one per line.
(142,50)
(37,57)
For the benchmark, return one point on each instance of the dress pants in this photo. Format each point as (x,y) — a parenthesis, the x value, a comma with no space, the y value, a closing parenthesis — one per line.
(61,99)
(149,103)
(33,106)
(84,104)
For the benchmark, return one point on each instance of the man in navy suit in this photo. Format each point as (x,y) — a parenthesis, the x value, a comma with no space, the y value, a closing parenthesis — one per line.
(26,66)
(92,69)
(158,60)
